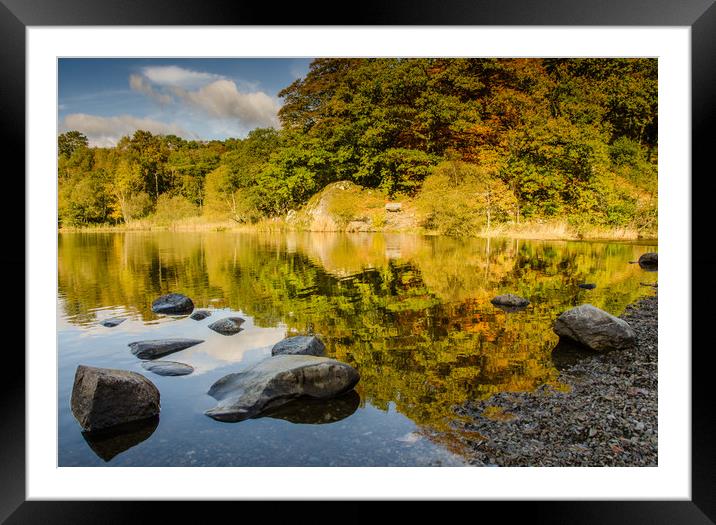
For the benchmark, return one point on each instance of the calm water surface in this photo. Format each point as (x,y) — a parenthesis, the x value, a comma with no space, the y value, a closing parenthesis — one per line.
(411,313)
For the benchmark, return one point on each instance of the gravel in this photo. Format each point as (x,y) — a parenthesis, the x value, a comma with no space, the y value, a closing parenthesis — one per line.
(607,418)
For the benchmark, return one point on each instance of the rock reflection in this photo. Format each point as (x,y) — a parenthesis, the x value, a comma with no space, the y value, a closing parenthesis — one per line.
(568,353)
(113,441)
(309,411)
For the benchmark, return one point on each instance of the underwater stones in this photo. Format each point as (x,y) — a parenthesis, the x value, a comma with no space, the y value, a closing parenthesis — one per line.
(167,368)
(595,329)
(173,303)
(227,326)
(106,397)
(159,347)
(300,345)
(276,381)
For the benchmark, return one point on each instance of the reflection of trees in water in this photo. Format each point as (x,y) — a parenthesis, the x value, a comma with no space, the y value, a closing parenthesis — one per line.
(412,313)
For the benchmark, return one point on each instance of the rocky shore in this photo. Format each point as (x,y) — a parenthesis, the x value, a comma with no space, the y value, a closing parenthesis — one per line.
(607,418)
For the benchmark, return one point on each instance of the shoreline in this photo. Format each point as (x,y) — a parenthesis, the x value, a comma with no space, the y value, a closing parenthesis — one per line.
(607,418)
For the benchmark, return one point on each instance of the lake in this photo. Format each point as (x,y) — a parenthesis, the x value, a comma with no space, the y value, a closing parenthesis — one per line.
(411,313)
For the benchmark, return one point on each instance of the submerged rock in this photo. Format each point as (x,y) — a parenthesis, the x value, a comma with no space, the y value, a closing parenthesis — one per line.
(200,314)
(587,286)
(595,329)
(173,303)
(159,347)
(276,381)
(228,325)
(106,397)
(109,442)
(112,321)
(649,260)
(300,345)
(510,300)
(168,368)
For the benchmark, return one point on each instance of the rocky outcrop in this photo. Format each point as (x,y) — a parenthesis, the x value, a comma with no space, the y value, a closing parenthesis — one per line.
(105,397)
(300,345)
(595,329)
(510,300)
(173,304)
(160,347)
(649,260)
(227,326)
(200,314)
(167,368)
(276,381)
(112,321)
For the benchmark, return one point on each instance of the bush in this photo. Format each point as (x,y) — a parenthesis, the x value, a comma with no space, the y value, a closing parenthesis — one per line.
(172,209)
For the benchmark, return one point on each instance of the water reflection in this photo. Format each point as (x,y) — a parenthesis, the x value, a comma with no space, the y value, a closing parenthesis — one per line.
(317,411)
(411,313)
(112,441)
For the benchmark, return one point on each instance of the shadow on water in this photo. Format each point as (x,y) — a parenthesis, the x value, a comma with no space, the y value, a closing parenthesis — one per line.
(568,353)
(110,442)
(309,411)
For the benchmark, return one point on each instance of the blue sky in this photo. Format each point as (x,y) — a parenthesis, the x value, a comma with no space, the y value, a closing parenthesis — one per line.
(196,98)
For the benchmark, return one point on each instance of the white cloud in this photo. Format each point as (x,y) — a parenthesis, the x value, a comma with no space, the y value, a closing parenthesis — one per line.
(178,76)
(139,83)
(106,131)
(222,99)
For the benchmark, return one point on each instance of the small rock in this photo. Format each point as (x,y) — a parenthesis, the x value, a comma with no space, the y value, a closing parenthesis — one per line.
(112,321)
(106,397)
(227,326)
(200,314)
(587,286)
(159,347)
(168,368)
(173,303)
(300,345)
(595,329)
(510,300)
(649,260)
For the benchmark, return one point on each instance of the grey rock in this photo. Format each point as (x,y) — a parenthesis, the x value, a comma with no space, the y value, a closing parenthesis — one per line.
(112,321)
(309,411)
(105,397)
(595,329)
(200,314)
(510,300)
(168,368)
(159,347)
(276,381)
(649,260)
(587,286)
(173,303)
(300,345)
(227,326)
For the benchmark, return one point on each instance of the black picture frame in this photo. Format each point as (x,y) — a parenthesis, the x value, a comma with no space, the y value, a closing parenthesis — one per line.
(699,15)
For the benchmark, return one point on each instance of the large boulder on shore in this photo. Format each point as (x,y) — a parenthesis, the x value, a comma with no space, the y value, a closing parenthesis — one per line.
(510,300)
(227,326)
(595,329)
(173,304)
(276,381)
(649,260)
(106,397)
(300,345)
(154,348)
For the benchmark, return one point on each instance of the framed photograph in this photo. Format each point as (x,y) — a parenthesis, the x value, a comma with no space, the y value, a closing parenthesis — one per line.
(294,259)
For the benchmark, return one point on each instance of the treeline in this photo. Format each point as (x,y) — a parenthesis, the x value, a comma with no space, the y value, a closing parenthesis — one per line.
(471,140)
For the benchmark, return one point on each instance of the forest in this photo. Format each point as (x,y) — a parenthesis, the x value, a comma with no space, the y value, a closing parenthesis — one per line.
(469,141)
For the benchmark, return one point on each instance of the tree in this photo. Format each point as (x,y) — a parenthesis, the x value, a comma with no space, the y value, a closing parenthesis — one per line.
(69,141)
